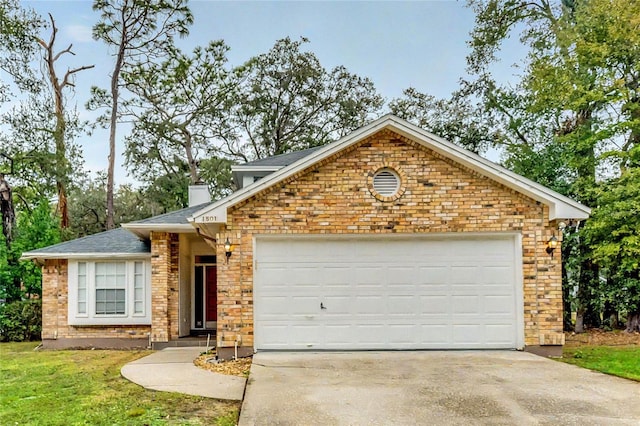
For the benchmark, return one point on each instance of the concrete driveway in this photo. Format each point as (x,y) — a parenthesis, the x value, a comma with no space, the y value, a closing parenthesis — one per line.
(432,388)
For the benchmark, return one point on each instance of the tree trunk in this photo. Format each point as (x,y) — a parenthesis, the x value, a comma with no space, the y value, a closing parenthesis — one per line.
(7,211)
(633,322)
(610,315)
(115,94)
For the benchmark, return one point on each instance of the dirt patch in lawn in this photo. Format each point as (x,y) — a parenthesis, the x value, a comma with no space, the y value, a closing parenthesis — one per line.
(236,367)
(597,337)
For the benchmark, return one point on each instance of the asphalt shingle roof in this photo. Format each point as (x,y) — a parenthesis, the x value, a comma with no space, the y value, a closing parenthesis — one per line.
(175,217)
(281,160)
(114,241)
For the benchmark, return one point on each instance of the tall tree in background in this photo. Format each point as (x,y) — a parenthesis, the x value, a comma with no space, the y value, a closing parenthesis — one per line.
(60,133)
(138,31)
(179,110)
(577,99)
(287,101)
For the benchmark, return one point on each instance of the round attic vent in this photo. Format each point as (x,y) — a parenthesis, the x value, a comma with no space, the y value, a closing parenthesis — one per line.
(386,182)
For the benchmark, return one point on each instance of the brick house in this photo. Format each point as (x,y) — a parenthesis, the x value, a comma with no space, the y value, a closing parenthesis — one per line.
(389,238)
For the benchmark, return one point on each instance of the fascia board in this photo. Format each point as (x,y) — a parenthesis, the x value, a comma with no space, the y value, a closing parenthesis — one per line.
(255,168)
(142,230)
(42,255)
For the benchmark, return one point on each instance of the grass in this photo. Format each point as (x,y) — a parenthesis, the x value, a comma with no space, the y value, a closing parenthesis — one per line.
(85,388)
(622,361)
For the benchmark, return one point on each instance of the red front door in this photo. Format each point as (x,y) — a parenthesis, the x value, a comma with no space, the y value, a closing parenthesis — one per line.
(211,279)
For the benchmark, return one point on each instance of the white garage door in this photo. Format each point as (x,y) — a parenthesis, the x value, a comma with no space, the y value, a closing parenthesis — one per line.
(387,293)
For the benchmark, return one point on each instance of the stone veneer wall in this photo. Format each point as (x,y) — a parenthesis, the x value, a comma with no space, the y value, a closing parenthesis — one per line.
(55,328)
(164,286)
(439,195)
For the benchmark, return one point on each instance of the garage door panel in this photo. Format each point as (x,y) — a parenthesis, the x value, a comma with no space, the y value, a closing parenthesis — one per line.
(403,335)
(498,305)
(466,304)
(435,305)
(435,335)
(464,274)
(432,275)
(467,334)
(406,305)
(385,293)
(499,333)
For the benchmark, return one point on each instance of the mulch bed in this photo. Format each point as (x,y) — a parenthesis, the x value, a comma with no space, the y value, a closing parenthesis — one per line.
(597,337)
(237,367)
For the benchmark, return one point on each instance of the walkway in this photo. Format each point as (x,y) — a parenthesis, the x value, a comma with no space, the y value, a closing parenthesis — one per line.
(172,370)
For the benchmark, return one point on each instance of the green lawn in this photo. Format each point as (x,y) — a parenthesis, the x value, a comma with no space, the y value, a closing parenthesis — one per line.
(623,361)
(85,388)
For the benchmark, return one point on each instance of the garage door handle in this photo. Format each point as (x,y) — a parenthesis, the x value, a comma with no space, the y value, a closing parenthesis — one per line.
(322,306)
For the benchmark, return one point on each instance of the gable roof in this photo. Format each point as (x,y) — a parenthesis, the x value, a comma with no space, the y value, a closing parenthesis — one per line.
(114,243)
(175,221)
(560,207)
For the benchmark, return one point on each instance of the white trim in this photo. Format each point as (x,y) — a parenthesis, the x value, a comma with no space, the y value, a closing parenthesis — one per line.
(560,207)
(92,256)
(143,230)
(243,168)
(90,317)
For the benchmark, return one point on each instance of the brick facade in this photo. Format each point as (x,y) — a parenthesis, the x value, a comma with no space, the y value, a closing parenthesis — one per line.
(55,325)
(438,196)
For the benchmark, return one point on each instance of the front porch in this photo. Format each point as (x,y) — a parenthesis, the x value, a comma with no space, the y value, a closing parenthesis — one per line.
(183,290)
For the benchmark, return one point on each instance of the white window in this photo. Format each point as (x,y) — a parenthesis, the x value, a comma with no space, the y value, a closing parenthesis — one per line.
(107,292)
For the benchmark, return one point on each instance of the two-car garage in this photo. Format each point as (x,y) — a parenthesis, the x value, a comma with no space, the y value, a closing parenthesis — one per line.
(388,292)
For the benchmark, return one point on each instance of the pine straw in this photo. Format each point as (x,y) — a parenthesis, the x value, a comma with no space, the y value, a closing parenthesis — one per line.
(237,367)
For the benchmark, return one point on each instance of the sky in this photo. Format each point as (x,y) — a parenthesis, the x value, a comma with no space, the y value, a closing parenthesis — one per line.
(397,44)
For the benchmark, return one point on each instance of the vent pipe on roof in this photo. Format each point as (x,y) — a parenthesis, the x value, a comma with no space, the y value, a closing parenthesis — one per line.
(199,194)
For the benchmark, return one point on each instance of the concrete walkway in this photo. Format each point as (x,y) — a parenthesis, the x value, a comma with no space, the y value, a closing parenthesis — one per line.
(172,370)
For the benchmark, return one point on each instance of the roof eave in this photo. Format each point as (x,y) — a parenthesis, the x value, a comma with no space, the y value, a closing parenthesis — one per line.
(143,230)
(41,256)
(255,168)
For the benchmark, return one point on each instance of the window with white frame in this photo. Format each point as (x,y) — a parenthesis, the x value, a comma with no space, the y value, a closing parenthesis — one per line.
(109,292)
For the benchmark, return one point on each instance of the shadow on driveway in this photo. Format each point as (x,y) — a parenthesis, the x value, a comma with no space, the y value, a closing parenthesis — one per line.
(432,388)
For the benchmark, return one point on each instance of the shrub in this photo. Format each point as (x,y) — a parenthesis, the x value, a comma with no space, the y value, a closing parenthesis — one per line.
(21,321)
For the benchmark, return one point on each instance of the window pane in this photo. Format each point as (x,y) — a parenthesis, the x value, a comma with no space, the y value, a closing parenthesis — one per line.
(82,288)
(100,269)
(120,281)
(111,284)
(100,281)
(110,302)
(138,285)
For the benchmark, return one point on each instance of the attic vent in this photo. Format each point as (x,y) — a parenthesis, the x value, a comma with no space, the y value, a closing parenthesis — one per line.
(386,182)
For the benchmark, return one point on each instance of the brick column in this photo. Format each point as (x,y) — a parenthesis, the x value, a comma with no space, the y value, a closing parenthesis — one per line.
(54,298)
(164,286)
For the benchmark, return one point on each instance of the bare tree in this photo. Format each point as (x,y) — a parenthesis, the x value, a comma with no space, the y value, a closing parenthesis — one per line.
(62,169)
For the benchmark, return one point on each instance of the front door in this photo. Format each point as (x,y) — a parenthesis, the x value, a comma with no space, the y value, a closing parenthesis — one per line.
(205,295)
(212,293)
